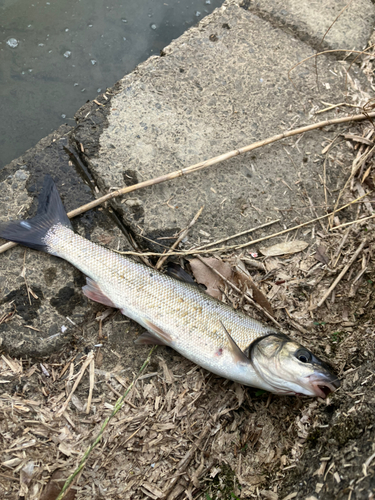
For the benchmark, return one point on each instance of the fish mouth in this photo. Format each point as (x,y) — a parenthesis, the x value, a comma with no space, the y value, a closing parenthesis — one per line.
(323,387)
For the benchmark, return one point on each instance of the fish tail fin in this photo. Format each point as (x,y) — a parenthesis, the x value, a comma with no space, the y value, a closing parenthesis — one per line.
(32,232)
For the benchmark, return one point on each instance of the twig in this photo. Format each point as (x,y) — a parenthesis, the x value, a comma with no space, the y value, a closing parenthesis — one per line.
(82,371)
(205,164)
(353,222)
(246,296)
(355,167)
(117,407)
(325,34)
(340,276)
(333,106)
(92,382)
(179,239)
(238,234)
(358,138)
(339,248)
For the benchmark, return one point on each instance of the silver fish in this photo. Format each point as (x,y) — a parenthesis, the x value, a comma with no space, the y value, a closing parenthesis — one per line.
(180,315)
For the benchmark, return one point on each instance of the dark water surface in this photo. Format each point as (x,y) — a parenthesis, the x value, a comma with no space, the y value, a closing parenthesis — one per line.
(57,54)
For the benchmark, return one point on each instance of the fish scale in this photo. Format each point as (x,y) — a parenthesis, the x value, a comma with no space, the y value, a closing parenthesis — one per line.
(192,319)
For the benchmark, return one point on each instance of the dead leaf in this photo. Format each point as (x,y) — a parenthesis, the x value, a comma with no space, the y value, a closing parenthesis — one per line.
(287,247)
(321,255)
(207,277)
(245,278)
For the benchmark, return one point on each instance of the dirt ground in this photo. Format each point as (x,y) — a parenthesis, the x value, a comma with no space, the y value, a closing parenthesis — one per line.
(185,433)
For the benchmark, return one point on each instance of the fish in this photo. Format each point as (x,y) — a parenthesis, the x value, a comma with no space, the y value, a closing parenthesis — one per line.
(175,313)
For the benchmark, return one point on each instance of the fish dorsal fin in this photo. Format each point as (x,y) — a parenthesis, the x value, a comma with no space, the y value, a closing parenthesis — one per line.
(176,271)
(238,355)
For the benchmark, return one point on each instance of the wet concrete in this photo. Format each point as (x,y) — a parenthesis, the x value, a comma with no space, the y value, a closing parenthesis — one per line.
(42,293)
(56,55)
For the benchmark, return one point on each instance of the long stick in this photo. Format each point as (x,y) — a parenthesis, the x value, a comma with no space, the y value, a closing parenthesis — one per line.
(205,164)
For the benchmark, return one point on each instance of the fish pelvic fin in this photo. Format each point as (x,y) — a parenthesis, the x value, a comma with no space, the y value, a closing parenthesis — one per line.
(93,291)
(155,335)
(238,355)
(32,232)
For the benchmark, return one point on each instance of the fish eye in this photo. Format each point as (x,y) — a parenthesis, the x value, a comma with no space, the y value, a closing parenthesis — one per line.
(303,355)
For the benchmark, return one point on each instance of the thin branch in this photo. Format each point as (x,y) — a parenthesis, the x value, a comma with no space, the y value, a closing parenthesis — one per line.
(333,106)
(205,164)
(88,360)
(237,235)
(355,167)
(179,239)
(352,222)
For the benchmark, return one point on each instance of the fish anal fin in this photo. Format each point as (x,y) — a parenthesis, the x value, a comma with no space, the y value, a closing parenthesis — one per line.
(149,338)
(163,338)
(238,355)
(93,291)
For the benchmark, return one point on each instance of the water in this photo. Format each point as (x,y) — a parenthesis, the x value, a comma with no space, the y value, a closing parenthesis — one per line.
(56,55)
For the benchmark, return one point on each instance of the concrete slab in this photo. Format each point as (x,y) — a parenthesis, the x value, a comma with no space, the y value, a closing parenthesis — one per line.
(42,291)
(222,85)
(310,21)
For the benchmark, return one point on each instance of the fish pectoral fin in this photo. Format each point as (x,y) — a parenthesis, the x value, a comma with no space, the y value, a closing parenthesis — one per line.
(155,335)
(93,291)
(238,355)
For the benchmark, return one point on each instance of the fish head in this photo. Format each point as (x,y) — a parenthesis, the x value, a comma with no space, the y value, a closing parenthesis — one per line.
(289,368)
